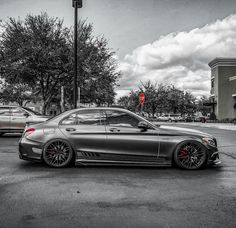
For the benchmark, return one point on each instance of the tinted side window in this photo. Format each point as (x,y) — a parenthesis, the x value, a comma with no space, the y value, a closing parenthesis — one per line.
(121,119)
(89,118)
(84,117)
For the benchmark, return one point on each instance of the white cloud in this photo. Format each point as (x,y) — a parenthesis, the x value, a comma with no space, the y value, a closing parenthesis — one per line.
(180,58)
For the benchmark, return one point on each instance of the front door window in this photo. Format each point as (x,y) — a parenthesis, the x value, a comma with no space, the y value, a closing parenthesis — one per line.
(121,119)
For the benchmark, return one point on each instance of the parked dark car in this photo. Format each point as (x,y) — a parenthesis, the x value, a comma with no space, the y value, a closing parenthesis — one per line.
(14,118)
(114,136)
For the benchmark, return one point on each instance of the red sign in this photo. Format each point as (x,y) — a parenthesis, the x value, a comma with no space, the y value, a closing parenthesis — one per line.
(141,98)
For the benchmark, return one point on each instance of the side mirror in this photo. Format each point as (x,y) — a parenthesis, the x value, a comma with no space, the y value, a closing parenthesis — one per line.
(143,125)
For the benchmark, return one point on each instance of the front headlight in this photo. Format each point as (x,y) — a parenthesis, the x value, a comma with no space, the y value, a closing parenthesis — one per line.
(209,142)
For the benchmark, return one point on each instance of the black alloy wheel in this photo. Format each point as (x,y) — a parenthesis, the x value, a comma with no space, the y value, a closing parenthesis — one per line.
(57,154)
(190,155)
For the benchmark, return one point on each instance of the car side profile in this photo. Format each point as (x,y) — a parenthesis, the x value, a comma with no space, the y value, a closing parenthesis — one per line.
(14,118)
(114,136)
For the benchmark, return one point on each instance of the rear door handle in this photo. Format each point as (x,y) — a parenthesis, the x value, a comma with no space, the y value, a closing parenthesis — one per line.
(114,130)
(70,129)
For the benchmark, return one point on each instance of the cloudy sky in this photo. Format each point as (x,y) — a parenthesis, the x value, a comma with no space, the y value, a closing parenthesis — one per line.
(167,41)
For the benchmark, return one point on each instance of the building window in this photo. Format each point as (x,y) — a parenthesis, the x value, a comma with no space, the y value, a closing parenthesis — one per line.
(212,83)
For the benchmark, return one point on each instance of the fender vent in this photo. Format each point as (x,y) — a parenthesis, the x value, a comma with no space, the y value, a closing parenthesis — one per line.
(90,154)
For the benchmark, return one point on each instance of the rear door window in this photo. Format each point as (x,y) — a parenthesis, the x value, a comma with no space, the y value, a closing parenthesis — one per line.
(89,118)
(85,117)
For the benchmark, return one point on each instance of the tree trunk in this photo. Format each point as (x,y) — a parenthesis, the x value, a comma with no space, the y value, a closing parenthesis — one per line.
(44,108)
(20,102)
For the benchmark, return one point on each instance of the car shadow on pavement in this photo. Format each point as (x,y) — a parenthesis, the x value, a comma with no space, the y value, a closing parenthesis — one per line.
(27,166)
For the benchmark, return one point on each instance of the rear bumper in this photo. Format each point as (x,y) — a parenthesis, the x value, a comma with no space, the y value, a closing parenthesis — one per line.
(30,150)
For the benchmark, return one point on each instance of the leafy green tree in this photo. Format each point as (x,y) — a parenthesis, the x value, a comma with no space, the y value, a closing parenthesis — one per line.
(18,93)
(202,105)
(38,53)
(97,68)
(35,52)
(160,99)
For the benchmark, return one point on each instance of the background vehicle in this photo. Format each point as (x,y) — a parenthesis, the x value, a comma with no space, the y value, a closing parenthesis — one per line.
(114,136)
(13,118)
(189,118)
(170,117)
(200,119)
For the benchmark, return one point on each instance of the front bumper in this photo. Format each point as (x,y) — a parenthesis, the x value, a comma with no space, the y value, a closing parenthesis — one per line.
(213,157)
(30,150)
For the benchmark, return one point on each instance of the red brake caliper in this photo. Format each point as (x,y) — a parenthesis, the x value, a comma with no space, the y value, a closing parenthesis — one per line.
(51,151)
(183,153)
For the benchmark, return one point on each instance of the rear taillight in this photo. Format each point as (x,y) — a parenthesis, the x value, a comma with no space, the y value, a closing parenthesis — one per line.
(28,131)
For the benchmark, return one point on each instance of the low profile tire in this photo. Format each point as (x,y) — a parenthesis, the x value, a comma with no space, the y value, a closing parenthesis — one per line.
(190,155)
(58,154)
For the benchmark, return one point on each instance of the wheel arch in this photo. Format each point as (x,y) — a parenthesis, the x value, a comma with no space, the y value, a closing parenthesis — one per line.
(186,141)
(59,139)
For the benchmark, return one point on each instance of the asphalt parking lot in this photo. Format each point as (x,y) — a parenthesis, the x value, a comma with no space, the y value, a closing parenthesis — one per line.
(33,195)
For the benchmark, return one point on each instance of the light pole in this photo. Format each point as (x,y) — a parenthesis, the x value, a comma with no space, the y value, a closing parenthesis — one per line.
(76,4)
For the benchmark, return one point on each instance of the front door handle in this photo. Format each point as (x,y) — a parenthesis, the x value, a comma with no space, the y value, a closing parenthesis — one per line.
(70,129)
(114,129)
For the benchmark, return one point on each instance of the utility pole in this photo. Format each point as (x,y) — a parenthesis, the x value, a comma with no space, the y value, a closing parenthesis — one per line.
(62,103)
(79,95)
(76,4)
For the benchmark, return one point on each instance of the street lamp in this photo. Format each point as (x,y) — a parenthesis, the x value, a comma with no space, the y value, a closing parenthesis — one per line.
(76,4)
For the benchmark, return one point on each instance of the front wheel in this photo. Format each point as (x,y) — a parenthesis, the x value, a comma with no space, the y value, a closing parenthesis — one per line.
(57,154)
(190,155)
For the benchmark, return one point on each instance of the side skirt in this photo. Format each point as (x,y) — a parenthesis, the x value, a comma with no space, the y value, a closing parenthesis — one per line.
(121,163)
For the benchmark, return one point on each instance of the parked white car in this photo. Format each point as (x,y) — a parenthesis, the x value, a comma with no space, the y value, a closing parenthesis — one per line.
(170,117)
(14,118)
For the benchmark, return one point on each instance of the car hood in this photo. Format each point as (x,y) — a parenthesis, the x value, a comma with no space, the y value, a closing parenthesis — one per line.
(183,131)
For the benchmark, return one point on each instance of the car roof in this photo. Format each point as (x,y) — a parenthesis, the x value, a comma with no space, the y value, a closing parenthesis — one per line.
(100,108)
(68,112)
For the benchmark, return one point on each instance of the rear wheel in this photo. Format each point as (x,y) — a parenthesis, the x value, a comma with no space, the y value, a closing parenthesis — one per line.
(190,155)
(58,154)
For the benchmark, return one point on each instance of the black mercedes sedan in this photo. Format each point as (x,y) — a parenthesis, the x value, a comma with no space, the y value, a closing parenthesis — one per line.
(114,136)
